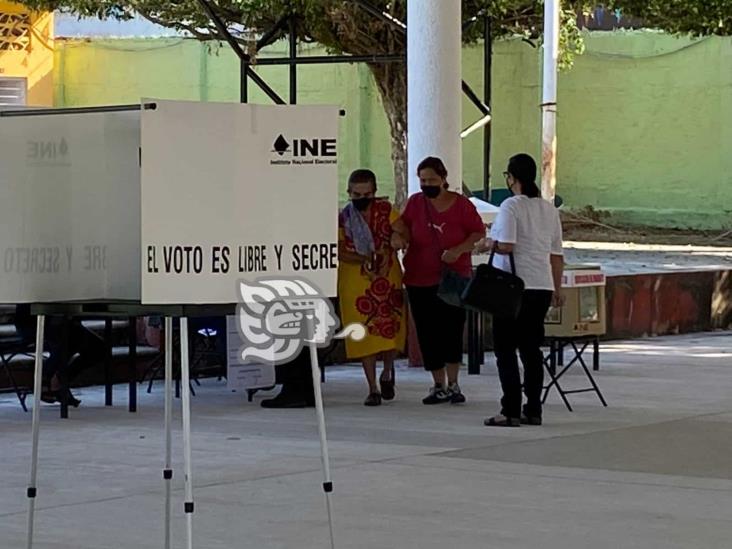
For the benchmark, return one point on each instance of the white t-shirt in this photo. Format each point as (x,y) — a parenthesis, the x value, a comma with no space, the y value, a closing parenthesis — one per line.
(533,226)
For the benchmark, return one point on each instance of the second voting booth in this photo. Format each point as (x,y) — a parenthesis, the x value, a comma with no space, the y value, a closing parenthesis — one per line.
(162,209)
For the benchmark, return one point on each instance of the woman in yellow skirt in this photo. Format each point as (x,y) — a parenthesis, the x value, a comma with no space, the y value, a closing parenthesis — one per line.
(370,283)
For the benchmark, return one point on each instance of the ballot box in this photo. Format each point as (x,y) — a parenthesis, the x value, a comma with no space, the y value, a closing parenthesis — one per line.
(583,313)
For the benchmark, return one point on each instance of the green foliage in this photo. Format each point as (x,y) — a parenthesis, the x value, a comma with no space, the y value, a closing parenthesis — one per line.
(340,25)
(695,17)
(343,27)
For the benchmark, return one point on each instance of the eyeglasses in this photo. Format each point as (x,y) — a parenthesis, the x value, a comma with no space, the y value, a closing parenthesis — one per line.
(506,175)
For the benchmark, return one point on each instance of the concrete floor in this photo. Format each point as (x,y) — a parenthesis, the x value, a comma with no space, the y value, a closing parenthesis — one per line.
(652,470)
(619,258)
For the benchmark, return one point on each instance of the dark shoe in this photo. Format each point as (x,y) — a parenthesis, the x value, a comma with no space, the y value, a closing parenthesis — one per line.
(502,421)
(456,395)
(438,395)
(48,396)
(294,394)
(387,388)
(530,420)
(374,399)
(67,397)
(286,399)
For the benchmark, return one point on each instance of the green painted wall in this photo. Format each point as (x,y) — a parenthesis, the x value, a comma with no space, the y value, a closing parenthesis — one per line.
(644,118)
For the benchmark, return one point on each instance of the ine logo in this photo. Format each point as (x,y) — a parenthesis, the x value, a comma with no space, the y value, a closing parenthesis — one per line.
(48,153)
(281,146)
(303,151)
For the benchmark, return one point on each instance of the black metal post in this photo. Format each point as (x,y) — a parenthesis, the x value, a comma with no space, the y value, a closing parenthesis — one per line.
(243,81)
(467,90)
(78,110)
(65,352)
(553,357)
(487,97)
(332,59)
(293,56)
(221,27)
(132,363)
(481,338)
(108,385)
(560,353)
(273,34)
(473,344)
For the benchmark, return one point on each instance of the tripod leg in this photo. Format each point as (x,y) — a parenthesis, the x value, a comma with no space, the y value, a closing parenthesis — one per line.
(167,469)
(327,483)
(186,403)
(38,373)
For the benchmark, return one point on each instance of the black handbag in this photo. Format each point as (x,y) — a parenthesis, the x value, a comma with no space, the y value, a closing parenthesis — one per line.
(451,288)
(452,284)
(494,291)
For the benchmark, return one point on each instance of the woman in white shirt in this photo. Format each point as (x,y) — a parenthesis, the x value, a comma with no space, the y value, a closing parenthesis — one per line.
(528,227)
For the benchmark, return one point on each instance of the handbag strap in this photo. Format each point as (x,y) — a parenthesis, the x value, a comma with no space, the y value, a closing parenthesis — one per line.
(510,257)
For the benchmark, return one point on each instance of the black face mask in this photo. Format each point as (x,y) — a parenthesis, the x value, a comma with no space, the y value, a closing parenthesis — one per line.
(431,191)
(361,203)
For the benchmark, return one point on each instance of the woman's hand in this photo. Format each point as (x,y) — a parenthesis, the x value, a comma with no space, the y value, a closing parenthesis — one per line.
(353,258)
(451,255)
(483,245)
(398,242)
(558,299)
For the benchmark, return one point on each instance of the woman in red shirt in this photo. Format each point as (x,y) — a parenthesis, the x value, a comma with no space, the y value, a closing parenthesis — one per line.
(439,229)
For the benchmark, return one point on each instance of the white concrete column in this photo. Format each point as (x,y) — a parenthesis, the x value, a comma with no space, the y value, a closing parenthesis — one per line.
(549,100)
(434,92)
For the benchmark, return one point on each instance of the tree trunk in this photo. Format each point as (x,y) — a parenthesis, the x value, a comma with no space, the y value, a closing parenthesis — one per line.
(391,79)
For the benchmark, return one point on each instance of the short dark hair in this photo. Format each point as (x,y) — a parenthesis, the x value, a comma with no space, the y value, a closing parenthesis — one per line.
(523,168)
(362,176)
(435,164)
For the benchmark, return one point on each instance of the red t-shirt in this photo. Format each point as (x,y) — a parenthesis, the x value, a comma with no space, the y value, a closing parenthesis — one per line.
(432,232)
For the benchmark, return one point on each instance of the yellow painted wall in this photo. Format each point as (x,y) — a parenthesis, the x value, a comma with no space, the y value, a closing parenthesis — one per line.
(27,52)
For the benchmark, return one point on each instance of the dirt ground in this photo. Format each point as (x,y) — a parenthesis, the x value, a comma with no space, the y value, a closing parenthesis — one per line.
(588,230)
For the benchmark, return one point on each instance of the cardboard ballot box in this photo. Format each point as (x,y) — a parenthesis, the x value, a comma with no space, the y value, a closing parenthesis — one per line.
(583,313)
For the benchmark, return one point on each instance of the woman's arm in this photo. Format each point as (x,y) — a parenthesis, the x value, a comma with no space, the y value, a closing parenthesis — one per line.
(400,236)
(504,232)
(349,256)
(466,246)
(486,245)
(473,226)
(557,262)
(504,248)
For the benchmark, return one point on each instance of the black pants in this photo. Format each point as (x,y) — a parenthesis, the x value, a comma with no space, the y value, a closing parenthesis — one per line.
(525,334)
(440,327)
(296,377)
(64,338)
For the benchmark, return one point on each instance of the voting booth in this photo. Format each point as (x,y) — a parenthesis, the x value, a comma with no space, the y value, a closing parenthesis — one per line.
(163,208)
(70,205)
(167,202)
